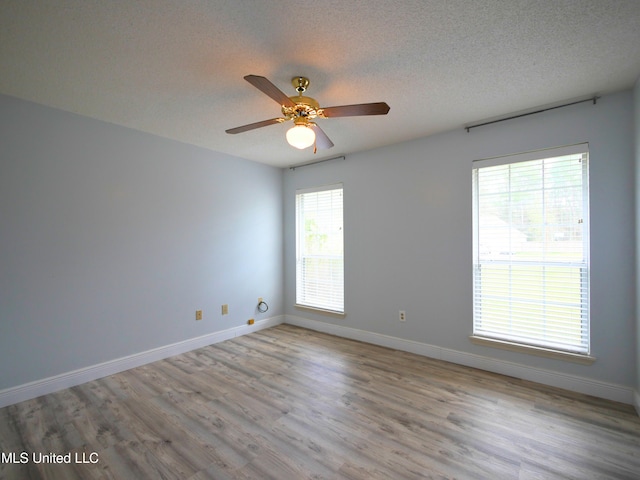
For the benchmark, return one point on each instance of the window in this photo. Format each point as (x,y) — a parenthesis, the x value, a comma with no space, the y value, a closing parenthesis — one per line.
(531,249)
(319,248)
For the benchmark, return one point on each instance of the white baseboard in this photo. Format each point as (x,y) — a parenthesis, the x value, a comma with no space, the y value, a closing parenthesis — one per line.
(575,383)
(31,390)
(578,384)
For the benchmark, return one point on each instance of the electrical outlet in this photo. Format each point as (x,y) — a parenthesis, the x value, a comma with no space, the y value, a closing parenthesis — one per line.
(225,309)
(251,321)
(259,299)
(198,314)
(402,316)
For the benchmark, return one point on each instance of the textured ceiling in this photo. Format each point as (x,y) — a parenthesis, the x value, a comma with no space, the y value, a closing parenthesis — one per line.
(174,67)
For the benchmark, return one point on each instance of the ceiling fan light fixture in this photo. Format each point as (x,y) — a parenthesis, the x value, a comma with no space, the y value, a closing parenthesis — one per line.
(301,136)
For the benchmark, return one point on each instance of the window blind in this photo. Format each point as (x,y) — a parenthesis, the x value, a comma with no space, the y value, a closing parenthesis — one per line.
(319,248)
(531,249)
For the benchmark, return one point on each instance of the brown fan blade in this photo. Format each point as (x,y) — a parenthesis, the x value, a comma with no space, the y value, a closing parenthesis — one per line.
(322,141)
(268,88)
(252,126)
(380,108)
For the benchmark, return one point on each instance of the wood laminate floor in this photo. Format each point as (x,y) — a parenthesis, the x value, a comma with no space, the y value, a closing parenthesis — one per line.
(288,403)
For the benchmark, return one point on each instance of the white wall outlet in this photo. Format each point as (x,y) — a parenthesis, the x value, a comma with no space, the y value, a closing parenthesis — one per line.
(402,316)
(225,309)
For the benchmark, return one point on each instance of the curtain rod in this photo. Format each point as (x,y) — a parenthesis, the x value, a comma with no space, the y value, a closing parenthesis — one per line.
(592,99)
(317,161)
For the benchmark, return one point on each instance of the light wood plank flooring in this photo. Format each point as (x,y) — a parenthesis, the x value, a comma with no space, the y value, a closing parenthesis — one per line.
(289,403)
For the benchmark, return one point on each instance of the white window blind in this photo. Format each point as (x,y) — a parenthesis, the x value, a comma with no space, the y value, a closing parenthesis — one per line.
(531,249)
(319,248)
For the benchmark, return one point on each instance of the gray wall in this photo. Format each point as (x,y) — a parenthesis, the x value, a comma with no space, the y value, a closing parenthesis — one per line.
(408,232)
(112,238)
(636,97)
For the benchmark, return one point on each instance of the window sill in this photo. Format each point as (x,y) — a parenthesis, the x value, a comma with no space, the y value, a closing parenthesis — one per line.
(332,313)
(539,351)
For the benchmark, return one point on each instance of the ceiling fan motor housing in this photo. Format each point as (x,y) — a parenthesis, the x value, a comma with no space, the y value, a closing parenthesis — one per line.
(305,107)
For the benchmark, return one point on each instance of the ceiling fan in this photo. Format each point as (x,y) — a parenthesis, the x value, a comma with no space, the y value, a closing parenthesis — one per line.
(302,110)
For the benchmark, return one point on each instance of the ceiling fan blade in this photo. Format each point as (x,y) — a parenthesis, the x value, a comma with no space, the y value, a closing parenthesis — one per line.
(322,141)
(268,88)
(379,108)
(253,126)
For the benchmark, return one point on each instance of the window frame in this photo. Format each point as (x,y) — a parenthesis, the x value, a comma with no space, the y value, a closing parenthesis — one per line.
(304,299)
(502,339)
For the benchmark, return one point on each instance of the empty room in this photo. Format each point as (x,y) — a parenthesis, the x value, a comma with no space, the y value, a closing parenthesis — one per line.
(319,239)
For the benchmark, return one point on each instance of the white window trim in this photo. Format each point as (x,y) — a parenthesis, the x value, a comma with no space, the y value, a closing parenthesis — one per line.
(577,357)
(533,350)
(309,307)
(323,311)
